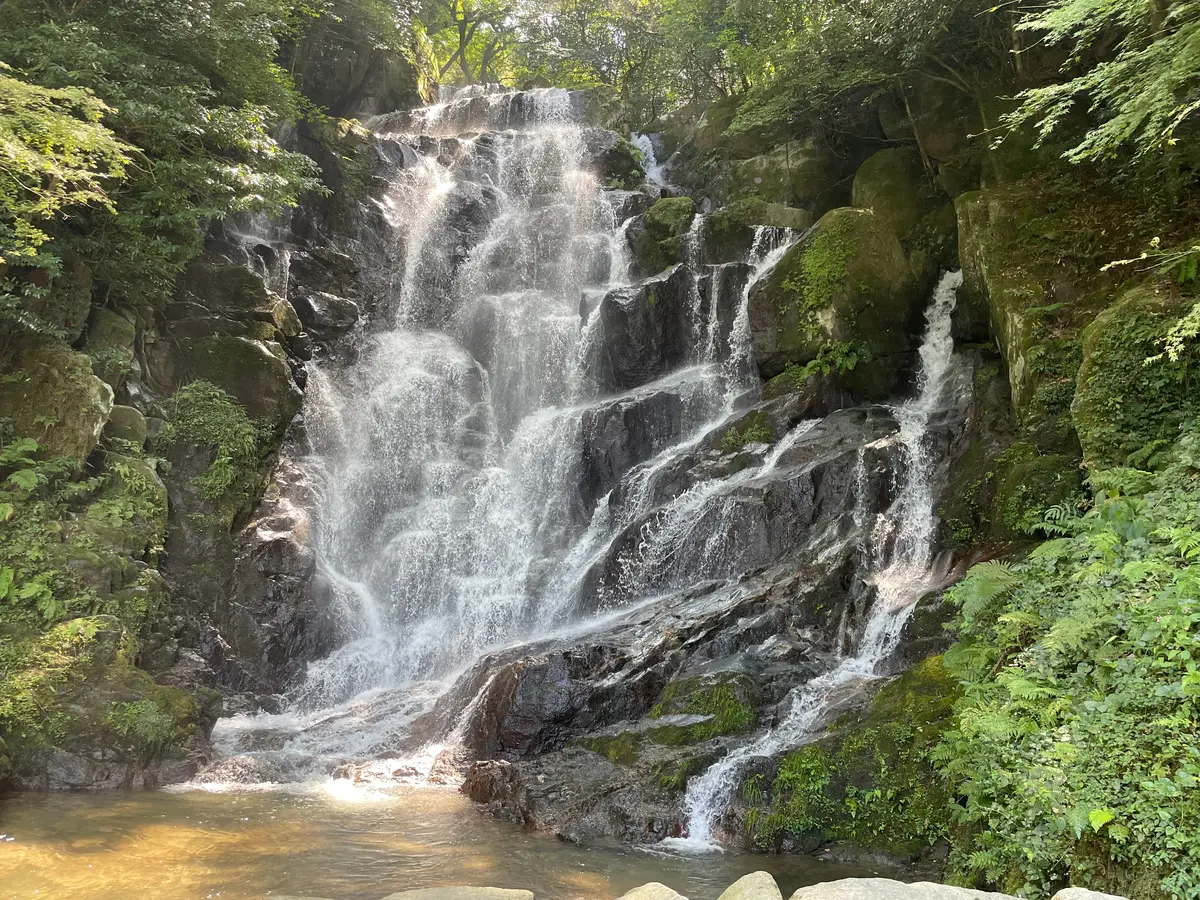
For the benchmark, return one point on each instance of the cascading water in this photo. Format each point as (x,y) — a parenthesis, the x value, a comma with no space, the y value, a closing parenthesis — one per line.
(450,451)
(901,557)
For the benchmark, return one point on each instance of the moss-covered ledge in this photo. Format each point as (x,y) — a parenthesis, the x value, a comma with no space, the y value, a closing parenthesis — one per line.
(870,783)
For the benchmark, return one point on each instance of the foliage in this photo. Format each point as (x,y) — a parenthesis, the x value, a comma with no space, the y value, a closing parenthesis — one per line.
(754,432)
(1140,91)
(205,416)
(841,357)
(179,97)
(57,155)
(1074,750)
(871,784)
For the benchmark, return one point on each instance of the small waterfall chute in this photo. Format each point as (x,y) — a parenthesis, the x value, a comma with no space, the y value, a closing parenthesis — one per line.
(900,573)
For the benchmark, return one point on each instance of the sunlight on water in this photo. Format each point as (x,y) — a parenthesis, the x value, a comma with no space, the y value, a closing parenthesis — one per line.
(339,842)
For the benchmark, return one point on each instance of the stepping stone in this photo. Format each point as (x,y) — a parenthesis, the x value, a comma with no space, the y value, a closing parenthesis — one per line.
(756,886)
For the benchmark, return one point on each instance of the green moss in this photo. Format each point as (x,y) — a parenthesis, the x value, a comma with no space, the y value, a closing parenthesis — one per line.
(658,243)
(753,431)
(1123,406)
(872,784)
(671,216)
(849,284)
(727,700)
(1027,484)
(619,748)
(204,415)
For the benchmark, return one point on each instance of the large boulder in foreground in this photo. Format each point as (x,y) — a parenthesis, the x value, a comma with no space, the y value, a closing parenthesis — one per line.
(847,285)
(886,889)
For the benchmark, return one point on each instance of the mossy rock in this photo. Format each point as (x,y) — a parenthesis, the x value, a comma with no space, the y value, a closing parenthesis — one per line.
(76,714)
(255,373)
(794,174)
(891,184)
(1031,255)
(68,297)
(727,702)
(871,784)
(728,233)
(713,131)
(656,237)
(1027,484)
(221,286)
(54,398)
(848,282)
(1125,408)
(109,342)
(127,424)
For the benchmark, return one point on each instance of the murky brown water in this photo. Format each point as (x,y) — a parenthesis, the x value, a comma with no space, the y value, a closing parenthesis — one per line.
(197,846)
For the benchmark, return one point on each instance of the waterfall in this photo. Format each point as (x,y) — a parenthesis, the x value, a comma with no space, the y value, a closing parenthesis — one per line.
(450,452)
(655,170)
(527,444)
(900,574)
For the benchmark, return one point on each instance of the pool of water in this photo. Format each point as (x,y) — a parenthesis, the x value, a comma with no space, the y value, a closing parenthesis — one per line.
(348,846)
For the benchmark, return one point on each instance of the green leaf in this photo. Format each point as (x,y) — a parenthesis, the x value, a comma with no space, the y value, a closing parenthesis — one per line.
(1098,818)
(6,581)
(26,479)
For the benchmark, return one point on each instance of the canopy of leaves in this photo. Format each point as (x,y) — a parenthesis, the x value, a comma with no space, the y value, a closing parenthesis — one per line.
(179,97)
(56,156)
(1135,65)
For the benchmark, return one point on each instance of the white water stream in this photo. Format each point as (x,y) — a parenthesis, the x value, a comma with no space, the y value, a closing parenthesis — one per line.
(901,574)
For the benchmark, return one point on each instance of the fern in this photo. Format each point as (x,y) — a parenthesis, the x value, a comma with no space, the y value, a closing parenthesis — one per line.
(986,583)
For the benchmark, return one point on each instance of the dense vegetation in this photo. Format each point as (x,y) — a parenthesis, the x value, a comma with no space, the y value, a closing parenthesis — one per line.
(128,127)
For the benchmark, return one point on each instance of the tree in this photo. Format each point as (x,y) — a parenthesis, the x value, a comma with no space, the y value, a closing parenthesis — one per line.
(1134,64)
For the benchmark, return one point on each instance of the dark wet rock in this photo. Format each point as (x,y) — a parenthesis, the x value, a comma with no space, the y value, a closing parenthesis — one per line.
(326,315)
(612,158)
(646,329)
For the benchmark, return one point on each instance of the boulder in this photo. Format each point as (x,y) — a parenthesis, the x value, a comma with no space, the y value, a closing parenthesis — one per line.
(755,886)
(1125,408)
(656,238)
(341,66)
(891,184)
(886,889)
(127,424)
(1078,893)
(53,397)
(647,328)
(461,893)
(847,283)
(652,891)
(109,342)
(821,792)
(795,174)
(255,373)
(728,233)
(612,158)
(712,132)
(326,315)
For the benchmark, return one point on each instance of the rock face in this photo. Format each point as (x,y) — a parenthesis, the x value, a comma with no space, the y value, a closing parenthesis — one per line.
(890,184)
(648,329)
(656,238)
(1123,405)
(848,283)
